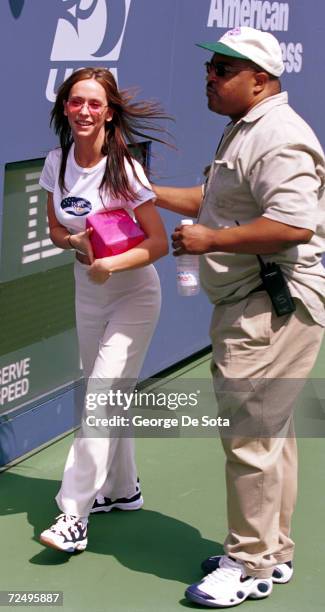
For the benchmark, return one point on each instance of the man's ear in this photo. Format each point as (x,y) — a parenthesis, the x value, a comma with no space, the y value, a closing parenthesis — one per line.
(261,79)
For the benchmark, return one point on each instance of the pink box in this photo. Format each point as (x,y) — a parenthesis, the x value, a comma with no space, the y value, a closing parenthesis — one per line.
(114,232)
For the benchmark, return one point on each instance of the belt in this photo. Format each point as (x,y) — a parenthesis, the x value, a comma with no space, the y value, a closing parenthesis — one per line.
(84,259)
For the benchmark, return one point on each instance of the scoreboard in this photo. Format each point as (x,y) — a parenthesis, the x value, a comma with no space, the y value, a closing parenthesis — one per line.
(38,344)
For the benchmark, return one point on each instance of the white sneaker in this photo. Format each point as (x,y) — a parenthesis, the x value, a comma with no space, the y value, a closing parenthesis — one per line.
(105,504)
(228,586)
(68,533)
(282,572)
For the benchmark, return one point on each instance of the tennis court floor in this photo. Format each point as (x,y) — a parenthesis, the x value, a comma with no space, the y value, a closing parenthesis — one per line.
(142,561)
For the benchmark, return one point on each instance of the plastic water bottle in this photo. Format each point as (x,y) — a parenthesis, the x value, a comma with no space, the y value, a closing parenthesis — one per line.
(187,266)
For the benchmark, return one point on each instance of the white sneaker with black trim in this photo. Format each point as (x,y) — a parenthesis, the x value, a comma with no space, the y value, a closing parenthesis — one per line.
(282,572)
(68,533)
(228,586)
(105,504)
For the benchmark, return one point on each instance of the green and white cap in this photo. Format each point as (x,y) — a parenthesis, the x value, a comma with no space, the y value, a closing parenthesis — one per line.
(246,43)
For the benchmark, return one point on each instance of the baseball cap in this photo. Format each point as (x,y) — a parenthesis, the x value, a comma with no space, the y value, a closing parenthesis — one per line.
(259,47)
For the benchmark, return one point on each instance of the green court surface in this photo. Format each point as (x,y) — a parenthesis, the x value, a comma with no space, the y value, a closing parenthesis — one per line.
(142,561)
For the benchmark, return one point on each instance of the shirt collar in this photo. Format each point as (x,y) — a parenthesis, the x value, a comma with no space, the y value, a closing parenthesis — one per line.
(263,107)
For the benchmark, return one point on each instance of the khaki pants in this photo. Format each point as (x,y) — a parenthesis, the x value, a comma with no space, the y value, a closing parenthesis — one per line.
(259,365)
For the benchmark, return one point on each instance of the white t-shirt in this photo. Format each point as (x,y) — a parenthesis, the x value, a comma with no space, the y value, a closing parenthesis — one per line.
(82,196)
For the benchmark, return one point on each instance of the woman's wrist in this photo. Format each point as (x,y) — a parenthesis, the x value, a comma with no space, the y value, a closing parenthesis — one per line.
(69,242)
(108,263)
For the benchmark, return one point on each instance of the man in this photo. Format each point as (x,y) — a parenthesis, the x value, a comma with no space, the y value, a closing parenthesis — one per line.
(263,197)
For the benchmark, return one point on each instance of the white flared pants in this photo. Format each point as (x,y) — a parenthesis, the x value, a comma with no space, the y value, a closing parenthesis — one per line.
(115,323)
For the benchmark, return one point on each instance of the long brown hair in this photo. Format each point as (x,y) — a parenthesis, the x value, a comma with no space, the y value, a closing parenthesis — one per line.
(129,120)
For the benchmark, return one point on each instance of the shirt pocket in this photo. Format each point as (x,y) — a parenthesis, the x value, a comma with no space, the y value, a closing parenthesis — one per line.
(224,186)
(229,193)
(224,180)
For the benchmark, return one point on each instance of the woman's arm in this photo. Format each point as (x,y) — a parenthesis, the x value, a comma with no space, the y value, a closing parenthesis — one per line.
(150,249)
(62,238)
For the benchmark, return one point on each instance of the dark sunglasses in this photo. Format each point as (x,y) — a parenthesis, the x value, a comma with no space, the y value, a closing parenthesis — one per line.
(221,70)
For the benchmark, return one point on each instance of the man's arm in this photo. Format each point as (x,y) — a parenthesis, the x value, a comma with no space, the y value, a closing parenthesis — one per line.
(182,200)
(286,185)
(262,236)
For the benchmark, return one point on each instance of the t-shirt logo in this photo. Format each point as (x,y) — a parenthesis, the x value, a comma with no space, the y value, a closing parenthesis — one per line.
(78,207)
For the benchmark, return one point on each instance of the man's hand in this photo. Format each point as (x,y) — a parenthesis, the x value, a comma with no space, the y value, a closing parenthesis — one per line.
(262,236)
(98,272)
(192,239)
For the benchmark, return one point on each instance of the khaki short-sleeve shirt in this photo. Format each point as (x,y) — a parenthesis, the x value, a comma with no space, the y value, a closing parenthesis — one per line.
(269,164)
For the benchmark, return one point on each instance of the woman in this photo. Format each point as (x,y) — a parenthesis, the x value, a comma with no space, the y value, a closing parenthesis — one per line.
(117,298)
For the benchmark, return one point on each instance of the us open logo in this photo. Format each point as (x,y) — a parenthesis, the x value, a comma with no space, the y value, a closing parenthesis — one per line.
(88,32)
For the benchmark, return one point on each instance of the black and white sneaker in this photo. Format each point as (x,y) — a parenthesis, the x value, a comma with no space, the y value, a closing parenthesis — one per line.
(282,572)
(105,504)
(228,586)
(68,533)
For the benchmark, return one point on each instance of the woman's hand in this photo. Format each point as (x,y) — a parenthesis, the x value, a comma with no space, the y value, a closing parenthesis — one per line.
(81,242)
(99,271)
